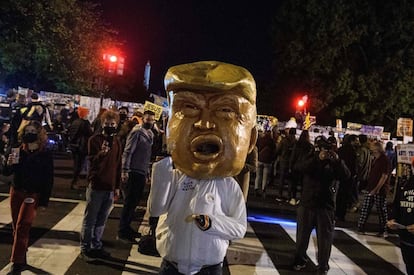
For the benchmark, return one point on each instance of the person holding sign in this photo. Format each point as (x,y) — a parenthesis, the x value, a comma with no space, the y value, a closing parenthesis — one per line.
(402,219)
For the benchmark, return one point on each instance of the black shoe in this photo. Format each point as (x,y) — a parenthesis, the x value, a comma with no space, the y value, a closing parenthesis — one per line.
(134,233)
(100,253)
(299,266)
(16,269)
(87,256)
(126,239)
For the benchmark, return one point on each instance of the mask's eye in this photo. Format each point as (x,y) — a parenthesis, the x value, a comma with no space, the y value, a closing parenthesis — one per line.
(189,109)
(226,112)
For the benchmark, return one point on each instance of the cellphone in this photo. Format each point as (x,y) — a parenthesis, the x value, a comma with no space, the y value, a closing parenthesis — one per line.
(399,225)
(16,155)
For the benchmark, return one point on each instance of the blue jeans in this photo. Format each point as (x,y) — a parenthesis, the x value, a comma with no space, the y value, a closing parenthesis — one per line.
(98,207)
(132,193)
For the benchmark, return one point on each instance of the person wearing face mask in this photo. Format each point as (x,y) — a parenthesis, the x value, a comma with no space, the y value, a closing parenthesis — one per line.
(32,167)
(78,134)
(104,155)
(135,165)
(125,125)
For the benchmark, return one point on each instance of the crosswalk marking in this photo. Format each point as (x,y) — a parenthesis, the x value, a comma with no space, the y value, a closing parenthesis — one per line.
(381,247)
(55,255)
(252,254)
(5,217)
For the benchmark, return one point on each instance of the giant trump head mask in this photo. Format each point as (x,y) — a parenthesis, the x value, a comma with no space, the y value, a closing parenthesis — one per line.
(212,120)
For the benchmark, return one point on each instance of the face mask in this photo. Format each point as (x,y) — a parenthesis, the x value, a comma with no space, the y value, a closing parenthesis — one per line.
(29,137)
(147,125)
(108,130)
(123,117)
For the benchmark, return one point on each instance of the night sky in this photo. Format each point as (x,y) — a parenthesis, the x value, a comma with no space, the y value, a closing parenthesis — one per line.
(174,32)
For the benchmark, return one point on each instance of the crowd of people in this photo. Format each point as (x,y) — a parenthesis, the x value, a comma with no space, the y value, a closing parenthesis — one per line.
(330,176)
(117,147)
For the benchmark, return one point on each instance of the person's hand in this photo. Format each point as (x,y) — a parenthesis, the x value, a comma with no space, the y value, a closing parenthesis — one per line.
(391,224)
(124,177)
(10,159)
(116,194)
(373,192)
(5,128)
(410,228)
(202,221)
(105,147)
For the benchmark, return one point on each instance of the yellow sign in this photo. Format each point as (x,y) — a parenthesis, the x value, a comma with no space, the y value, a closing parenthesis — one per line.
(157,109)
(404,127)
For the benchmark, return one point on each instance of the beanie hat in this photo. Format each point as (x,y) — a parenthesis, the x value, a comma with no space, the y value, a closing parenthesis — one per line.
(83,112)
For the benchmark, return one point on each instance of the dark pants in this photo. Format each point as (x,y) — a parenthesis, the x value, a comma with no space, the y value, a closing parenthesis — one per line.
(168,268)
(132,193)
(343,198)
(23,209)
(323,221)
(284,175)
(78,162)
(407,254)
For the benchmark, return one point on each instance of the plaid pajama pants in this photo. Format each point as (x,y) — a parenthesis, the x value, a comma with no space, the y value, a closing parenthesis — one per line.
(380,204)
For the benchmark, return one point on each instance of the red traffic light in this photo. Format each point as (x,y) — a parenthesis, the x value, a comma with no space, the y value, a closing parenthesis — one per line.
(115,63)
(113,58)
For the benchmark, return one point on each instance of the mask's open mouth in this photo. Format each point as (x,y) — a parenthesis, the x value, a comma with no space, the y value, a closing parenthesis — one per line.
(206,147)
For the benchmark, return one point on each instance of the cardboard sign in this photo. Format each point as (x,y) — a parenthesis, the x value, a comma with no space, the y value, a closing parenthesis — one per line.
(157,109)
(405,152)
(404,127)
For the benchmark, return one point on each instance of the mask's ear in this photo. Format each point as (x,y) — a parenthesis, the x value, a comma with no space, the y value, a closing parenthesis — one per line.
(253,139)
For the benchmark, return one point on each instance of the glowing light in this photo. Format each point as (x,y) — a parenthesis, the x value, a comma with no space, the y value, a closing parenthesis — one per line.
(113,58)
(271,220)
(301,103)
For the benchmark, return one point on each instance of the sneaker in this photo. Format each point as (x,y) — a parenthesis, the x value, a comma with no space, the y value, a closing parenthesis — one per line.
(101,253)
(361,231)
(292,201)
(278,199)
(382,234)
(299,266)
(353,209)
(87,256)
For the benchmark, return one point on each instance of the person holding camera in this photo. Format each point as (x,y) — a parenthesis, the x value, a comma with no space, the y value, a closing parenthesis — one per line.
(321,169)
(104,154)
(32,167)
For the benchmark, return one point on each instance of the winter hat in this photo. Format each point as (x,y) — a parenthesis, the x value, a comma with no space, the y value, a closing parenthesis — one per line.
(83,112)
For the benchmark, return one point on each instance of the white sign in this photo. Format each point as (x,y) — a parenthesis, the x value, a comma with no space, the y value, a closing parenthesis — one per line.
(405,152)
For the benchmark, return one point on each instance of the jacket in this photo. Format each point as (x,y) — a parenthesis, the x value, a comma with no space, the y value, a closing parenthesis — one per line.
(104,169)
(137,152)
(175,197)
(319,180)
(33,173)
(403,210)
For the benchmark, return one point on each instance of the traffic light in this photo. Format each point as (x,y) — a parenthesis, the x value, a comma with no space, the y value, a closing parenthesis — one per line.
(301,104)
(114,63)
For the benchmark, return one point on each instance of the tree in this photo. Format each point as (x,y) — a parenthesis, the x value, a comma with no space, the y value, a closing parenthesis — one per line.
(53,45)
(346,55)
